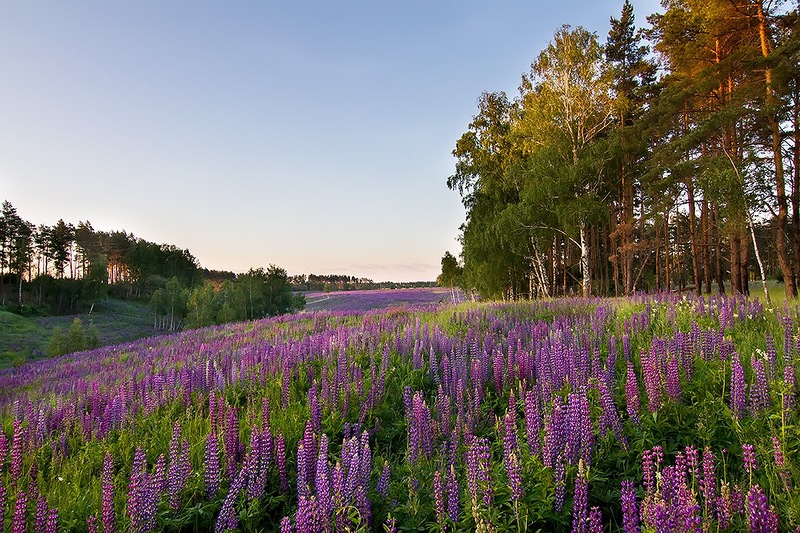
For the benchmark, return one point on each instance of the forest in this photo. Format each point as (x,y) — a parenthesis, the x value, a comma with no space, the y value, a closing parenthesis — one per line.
(67,269)
(666,158)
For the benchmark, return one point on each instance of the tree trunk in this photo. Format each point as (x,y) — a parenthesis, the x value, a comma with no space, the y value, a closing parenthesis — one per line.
(758,257)
(706,246)
(586,283)
(698,284)
(717,251)
(666,254)
(796,188)
(678,250)
(780,179)
(736,272)
(625,253)
(744,260)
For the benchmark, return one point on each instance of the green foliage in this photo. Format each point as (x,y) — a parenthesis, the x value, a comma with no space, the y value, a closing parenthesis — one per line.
(59,345)
(451,271)
(92,337)
(76,340)
(700,417)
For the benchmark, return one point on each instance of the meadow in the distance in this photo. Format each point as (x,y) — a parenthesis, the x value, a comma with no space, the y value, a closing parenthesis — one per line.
(657,413)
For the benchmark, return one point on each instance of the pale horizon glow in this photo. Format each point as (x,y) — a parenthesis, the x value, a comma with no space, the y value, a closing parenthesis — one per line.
(314,136)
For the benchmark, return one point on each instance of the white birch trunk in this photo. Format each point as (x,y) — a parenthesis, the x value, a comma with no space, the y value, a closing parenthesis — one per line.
(587,275)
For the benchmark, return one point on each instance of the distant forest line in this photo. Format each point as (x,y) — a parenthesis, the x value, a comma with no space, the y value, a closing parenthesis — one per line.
(666,158)
(67,269)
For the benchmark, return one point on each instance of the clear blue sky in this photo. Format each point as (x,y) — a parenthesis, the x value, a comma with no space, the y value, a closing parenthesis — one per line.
(313,135)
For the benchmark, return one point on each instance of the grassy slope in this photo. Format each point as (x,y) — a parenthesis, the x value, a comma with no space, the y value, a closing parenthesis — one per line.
(27,338)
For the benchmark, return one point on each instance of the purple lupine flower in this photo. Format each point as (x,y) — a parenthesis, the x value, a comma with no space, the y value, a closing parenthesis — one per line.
(738,388)
(760,517)
(453,493)
(227,519)
(610,416)
(559,479)
(383,481)
(315,409)
(231,440)
(407,395)
(724,508)
(287,378)
(578,431)
(309,442)
(749,459)
(650,460)
(595,520)
(212,466)
(780,464)
(772,358)
(303,487)
(20,509)
(652,381)
(256,481)
(692,455)
(630,510)
(3,495)
(176,475)
(633,405)
(708,483)
(479,469)
(158,480)
(52,521)
(737,500)
(510,433)
(391,525)
(533,423)
(306,519)
(138,497)
(3,449)
(107,483)
(759,392)
(280,459)
(91,524)
(17,442)
(514,477)
(420,428)
(438,498)
(323,479)
(580,509)
(286,525)
(673,381)
(442,409)
(790,382)
(40,519)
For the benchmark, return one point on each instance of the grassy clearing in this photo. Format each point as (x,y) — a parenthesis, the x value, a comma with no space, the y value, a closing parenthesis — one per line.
(25,338)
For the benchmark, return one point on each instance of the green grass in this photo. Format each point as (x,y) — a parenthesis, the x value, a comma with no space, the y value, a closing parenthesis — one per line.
(26,338)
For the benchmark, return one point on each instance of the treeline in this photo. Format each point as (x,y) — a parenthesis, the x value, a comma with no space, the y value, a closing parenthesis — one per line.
(339,282)
(666,158)
(257,294)
(68,268)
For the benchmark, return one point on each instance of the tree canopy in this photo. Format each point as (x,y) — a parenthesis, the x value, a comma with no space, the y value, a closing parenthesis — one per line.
(618,169)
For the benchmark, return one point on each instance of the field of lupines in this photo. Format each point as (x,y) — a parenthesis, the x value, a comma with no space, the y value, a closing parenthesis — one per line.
(367,300)
(650,414)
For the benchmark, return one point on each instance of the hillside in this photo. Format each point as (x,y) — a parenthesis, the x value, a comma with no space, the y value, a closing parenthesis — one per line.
(25,338)
(483,416)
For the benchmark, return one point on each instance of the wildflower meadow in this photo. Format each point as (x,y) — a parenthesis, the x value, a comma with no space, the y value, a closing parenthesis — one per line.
(657,413)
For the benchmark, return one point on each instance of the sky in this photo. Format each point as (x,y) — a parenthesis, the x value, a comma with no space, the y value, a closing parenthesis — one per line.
(316,136)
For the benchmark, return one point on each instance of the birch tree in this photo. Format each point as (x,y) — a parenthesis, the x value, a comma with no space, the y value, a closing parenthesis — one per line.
(569,90)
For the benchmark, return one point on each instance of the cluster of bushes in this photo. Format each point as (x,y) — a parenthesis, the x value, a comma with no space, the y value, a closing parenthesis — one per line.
(75,339)
(257,294)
